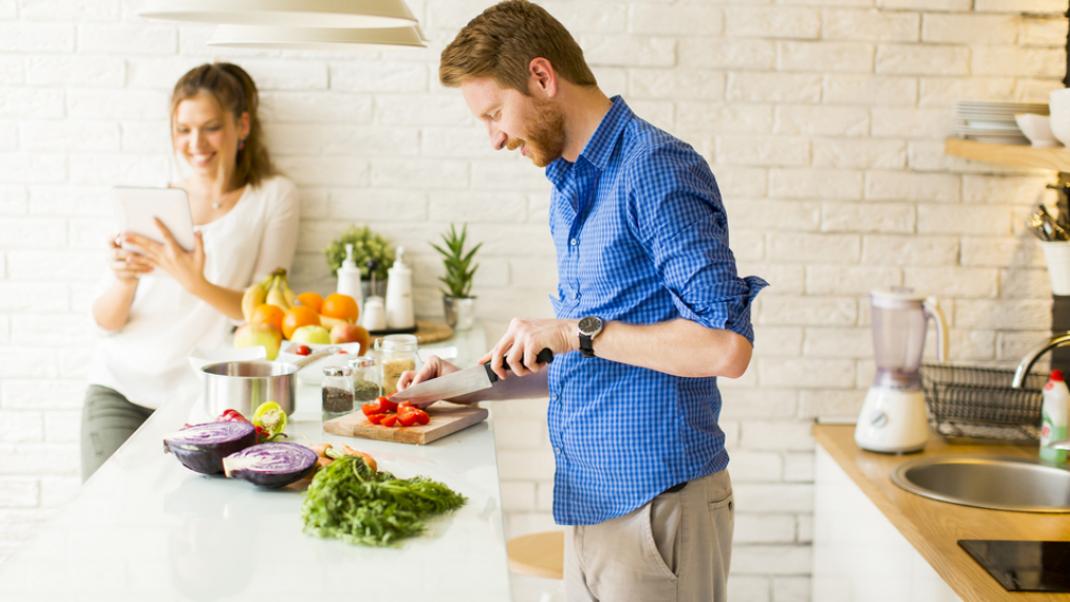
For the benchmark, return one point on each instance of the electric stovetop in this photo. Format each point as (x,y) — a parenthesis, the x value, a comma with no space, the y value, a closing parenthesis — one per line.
(1024,566)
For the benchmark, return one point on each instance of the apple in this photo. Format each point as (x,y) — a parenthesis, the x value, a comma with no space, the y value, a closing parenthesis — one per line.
(329,322)
(259,334)
(351,333)
(311,335)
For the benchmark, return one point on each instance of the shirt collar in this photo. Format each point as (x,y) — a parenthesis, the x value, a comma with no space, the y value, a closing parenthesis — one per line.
(600,146)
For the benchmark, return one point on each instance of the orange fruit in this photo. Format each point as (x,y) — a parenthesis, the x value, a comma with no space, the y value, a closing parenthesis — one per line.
(266,313)
(340,306)
(296,317)
(311,299)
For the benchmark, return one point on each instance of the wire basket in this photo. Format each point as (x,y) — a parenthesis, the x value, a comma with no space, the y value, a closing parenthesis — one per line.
(978,404)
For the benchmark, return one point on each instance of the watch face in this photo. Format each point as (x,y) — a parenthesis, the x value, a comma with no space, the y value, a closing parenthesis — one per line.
(590,325)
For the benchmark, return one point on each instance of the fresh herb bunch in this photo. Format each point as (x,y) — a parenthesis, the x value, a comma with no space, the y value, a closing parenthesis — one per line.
(458,262)
(367,245)
(348,501)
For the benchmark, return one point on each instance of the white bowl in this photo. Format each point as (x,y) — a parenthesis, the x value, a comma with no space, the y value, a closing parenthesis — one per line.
(1059,107)
(1037,128)
(312,374)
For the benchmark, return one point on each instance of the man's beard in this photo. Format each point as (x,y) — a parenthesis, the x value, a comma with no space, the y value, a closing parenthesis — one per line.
(546,139)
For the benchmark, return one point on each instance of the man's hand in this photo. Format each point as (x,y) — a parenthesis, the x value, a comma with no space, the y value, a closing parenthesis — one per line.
(525,339)
(434,368)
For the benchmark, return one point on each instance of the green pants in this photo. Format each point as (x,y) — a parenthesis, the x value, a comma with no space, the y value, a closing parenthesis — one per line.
(108,420)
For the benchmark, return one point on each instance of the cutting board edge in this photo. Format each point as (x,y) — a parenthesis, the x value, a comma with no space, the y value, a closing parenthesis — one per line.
(455,426)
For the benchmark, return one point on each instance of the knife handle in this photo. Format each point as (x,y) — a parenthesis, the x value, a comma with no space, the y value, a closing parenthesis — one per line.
(544,357)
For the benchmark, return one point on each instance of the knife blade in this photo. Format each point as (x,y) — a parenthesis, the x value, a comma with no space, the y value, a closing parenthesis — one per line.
(455,384)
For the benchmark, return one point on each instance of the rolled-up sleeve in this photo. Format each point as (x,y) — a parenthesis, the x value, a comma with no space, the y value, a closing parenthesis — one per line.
(676,212)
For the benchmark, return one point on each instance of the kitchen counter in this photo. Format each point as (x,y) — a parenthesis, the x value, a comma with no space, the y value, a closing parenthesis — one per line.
(932,527)
(146,528)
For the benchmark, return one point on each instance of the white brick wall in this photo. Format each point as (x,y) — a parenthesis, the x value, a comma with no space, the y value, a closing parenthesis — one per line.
(823,121)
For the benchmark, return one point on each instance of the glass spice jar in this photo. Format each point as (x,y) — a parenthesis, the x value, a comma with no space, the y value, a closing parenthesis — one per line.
(365,379)
(337,391)
(398,354)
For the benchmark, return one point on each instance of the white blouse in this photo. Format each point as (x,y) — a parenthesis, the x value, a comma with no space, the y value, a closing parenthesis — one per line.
(147,359)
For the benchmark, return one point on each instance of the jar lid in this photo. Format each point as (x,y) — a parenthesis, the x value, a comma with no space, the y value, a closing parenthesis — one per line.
(400,342)
(336,371)
(362,361)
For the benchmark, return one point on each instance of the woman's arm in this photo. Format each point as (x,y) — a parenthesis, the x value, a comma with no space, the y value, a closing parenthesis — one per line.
(187,268)
(111,310)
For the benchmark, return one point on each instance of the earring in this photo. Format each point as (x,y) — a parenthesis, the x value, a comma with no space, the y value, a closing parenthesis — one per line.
(241,143)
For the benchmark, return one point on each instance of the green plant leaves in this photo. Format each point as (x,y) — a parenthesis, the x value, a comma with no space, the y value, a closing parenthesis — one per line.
(458,262)
(367,245)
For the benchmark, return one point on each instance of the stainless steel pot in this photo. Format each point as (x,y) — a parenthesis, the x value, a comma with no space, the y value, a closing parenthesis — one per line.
(244,385)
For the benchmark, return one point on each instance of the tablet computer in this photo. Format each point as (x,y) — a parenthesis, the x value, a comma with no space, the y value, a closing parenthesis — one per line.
(136,207)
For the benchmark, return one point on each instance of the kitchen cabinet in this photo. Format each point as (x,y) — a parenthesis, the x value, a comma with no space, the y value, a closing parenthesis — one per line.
(874,541)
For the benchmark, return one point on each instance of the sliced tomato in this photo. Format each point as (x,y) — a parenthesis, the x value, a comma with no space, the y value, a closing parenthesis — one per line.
(389,420)
(407,418)
(387,405)
(422,417)
(372,407)
(375,418)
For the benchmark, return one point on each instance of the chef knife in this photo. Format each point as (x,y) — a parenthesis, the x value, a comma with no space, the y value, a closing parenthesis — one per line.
(458,383)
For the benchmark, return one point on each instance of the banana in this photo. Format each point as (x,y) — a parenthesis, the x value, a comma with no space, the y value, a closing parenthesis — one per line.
(276,297)
(287,292)
(254,296)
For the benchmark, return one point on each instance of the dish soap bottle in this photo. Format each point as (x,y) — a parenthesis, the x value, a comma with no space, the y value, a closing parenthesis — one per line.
(349,277)
(1055,417)
(399,312)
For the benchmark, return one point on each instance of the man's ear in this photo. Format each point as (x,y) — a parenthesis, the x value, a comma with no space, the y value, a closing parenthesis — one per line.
(542,78)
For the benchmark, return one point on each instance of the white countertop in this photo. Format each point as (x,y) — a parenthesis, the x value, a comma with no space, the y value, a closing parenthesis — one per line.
(146,528)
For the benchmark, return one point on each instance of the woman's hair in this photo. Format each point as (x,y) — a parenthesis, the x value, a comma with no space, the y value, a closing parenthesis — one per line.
(501,42)
(236,93)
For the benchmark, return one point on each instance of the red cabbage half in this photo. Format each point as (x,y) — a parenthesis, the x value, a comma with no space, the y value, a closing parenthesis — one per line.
(271,464)
(202,447)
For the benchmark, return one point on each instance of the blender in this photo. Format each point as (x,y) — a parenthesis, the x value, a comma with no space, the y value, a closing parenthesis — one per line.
(894,418)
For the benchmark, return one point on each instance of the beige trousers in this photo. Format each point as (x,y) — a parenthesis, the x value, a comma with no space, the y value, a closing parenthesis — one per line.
(677,548)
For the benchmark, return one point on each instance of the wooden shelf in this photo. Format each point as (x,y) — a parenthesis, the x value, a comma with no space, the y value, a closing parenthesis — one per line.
(1010,155)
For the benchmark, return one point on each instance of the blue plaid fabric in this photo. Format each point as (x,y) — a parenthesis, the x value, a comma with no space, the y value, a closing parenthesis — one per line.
(641,237)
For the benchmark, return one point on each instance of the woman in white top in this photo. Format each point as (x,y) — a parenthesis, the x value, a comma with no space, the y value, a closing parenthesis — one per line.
(160,305)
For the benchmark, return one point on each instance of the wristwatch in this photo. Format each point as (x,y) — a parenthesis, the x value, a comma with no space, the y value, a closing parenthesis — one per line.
(589,327)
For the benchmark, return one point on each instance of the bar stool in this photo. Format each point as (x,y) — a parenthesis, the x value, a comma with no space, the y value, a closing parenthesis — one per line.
(539,554)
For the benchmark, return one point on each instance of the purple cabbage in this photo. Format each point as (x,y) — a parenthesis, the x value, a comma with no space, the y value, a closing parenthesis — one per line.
(271,464)
(202,447)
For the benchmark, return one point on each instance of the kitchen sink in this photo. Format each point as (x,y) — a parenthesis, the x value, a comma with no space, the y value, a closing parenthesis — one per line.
(988,482)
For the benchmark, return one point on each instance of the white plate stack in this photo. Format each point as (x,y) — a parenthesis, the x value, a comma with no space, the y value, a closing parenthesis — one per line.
(993,122)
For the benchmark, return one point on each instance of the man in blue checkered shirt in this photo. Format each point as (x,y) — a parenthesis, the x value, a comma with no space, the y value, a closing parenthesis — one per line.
(649,310)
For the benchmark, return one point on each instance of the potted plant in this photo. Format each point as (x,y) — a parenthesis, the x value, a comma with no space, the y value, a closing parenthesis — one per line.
(457,300)
(371,252)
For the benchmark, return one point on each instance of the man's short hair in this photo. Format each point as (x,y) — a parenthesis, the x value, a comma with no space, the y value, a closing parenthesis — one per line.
(501,42)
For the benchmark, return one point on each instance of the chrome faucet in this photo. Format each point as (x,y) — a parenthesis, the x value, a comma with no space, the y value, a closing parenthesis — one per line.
(1024,366)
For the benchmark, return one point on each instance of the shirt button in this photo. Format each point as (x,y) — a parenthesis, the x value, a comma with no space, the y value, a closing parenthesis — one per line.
(557,450)
(573,242)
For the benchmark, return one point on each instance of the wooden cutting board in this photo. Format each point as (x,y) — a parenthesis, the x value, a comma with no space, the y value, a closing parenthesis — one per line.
(446,419)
